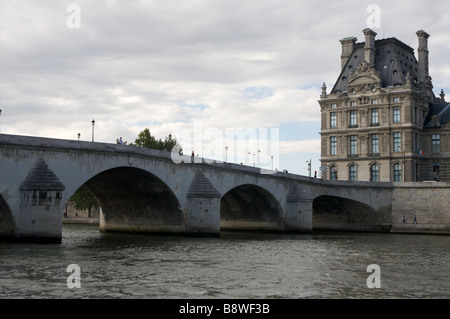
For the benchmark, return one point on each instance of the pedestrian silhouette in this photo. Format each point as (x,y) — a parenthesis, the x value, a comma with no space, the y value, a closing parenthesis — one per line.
(415,220)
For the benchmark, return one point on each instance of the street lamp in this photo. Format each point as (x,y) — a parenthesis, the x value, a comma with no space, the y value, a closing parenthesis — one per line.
(93,123)
(226,154)
(309,167)
(254,156)
(79,136)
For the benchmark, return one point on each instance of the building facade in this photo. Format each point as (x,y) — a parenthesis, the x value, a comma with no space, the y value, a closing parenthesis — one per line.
(381,121)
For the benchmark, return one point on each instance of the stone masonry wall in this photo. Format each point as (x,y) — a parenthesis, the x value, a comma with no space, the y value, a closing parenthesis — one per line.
(429,202)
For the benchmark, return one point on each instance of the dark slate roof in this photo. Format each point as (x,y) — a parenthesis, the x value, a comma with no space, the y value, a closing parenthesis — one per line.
(202,187)
(441,110)
(297,194)
(41,178)
(393,59)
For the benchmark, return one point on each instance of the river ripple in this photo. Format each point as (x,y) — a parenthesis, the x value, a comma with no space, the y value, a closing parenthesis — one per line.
(237,265)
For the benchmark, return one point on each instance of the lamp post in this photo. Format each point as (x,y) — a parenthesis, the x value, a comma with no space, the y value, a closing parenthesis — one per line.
(79,136)
(226,154)
(93,123)
(309,167)
(271,158)
(254,156)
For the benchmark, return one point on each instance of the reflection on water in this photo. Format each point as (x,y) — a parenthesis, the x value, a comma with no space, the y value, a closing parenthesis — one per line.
(237,265)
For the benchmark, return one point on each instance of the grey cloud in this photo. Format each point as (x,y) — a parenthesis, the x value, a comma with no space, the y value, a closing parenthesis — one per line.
(194,52)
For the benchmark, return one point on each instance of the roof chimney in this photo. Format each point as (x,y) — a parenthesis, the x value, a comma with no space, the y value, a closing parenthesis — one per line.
(369,46)
(347,49)
(423,55)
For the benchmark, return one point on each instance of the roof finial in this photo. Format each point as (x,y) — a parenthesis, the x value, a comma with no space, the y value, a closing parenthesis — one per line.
(442,95)
(324,90)
(408,78)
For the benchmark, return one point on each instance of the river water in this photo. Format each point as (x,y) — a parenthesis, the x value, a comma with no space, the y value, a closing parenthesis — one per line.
(236,265)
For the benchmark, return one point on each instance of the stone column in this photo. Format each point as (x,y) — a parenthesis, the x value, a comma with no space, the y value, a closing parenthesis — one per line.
(202,207)
(299,208)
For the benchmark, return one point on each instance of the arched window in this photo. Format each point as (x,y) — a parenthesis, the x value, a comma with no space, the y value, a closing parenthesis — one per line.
(397,172)
(374,173)
(333,173)
(352,173)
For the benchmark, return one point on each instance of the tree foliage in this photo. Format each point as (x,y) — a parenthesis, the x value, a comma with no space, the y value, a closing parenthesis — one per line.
(84,199)
(146,139)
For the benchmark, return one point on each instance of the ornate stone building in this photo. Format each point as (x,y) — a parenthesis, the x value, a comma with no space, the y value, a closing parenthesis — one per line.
(381,121)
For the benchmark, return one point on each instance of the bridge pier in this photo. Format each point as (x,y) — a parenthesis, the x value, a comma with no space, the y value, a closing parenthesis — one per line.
(299,208)
(203,207)
(40,209)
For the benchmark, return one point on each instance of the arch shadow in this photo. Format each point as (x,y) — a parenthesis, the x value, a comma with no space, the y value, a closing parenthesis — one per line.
(7,225)
(250,207)
(134,200)
(338,213)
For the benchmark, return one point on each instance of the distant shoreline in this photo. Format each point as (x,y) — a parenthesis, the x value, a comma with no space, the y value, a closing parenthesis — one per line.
(81,220)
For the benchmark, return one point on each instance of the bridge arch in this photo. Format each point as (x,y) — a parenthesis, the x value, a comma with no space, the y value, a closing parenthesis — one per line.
(133,199)
(334,213)
(7,225)
(250,207)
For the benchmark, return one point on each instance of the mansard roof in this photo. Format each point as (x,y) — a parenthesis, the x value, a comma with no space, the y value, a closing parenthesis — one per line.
(394,60)
(438,115)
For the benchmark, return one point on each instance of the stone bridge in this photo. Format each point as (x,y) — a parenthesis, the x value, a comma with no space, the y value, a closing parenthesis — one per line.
(144,190)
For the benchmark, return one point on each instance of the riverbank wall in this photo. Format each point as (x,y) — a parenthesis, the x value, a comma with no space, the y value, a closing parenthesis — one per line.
(74,216)
(429,202)
(416,208)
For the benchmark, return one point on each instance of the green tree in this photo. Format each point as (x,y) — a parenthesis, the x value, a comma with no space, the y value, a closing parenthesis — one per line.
(146,139)
(84,199)
(171,144)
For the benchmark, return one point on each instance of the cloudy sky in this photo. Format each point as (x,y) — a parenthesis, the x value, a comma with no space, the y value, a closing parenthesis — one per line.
(199,67)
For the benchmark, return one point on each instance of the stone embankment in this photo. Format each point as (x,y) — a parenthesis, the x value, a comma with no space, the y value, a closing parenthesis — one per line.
(74,216)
